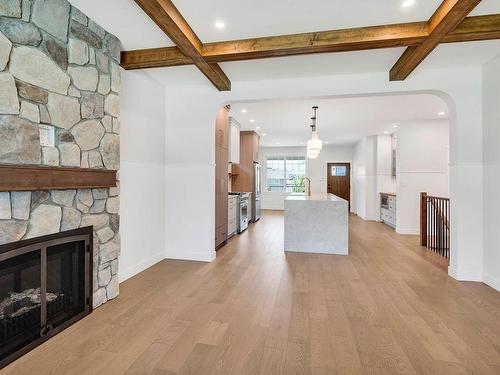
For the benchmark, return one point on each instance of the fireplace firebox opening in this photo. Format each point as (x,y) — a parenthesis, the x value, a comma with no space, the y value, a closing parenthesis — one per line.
(46,285)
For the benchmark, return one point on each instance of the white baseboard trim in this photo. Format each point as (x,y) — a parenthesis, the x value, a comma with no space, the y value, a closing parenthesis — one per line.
(475,276)
(366,218)
(408,231)
(198,256)
(491,281)
(452,272)
(465,275)
(138,268)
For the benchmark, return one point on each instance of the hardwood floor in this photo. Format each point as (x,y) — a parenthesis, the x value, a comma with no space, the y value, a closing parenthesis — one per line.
(387,308)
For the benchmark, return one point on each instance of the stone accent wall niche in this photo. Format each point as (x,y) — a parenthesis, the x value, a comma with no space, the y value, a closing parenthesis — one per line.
(60,75)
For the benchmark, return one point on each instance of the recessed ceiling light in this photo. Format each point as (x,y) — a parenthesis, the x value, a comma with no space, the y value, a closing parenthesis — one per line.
(326,142)
(264,134)
(395,126)
(407,3)
(257,127)
(219,25)
(252,120)
(442,113)
(243,110)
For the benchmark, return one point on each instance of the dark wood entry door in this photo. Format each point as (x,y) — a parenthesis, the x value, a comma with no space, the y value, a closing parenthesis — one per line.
(339,180)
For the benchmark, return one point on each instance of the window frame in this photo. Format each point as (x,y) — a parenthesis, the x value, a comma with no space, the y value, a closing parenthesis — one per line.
(285,158)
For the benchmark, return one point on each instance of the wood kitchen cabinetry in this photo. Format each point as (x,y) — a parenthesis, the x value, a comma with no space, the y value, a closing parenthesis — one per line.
(243,172)
(221,180)
(234,141)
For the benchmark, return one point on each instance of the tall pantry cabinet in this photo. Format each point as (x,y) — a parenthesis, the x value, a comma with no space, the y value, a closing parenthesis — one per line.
(221,175)
(243,179)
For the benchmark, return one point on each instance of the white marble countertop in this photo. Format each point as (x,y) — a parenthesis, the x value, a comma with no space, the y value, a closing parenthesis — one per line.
(317,224)
(317,197)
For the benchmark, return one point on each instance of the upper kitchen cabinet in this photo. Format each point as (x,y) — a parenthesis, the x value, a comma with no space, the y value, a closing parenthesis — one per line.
(234,141)
(243,173)
(249,143)
(222,129)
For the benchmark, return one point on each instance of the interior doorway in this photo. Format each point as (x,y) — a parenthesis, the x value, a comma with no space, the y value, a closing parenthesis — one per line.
(339,180)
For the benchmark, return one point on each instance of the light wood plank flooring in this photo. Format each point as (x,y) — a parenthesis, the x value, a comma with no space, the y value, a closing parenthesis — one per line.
(387,308)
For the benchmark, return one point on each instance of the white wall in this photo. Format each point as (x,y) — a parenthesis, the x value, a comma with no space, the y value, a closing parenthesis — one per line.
(491,172)
(365,178)
(190,172)
(386,183)
(316,170)
(422,166)
(190,118)
(142,174)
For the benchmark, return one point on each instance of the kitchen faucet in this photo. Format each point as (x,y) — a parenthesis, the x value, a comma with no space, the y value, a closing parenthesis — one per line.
(308,186)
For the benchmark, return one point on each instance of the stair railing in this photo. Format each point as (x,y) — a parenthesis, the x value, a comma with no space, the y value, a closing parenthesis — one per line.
(435,224)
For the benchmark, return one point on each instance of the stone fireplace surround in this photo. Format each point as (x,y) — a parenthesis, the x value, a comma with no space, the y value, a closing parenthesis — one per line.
(60,70)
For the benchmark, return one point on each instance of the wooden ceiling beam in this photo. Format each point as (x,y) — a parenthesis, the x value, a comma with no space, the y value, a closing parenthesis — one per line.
(355,39)
(470,29)
(154,58)
(475,28)
(168,18)
(447,17)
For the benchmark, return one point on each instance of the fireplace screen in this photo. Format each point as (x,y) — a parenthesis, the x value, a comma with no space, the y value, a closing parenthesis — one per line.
(45,286)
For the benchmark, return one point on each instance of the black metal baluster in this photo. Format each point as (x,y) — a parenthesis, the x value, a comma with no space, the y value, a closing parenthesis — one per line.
(429,233)
(432,224)
(435,225)
(441,227)
(438,227)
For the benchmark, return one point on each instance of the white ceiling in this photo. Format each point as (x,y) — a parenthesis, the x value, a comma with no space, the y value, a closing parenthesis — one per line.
(341,121)
(245,19)
(126,20)
(254,18)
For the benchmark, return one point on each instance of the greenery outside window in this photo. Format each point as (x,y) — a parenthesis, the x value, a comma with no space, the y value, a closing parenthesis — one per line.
(285,174)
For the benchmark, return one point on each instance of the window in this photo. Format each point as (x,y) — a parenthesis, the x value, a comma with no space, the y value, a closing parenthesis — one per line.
(339,171)
(286,174)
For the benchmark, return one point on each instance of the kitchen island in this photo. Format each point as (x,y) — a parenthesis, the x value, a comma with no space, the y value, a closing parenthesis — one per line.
(317,224)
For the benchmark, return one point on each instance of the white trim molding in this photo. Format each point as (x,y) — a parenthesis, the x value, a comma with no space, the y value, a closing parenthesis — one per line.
(408,231)
(491,281)
(138,268)
(197,256)
(467,275)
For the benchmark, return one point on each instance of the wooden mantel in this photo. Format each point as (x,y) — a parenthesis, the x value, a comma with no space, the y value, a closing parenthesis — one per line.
(36,177)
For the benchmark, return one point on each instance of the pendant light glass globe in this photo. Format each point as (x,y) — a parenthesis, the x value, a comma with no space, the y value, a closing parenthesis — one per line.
(314,146)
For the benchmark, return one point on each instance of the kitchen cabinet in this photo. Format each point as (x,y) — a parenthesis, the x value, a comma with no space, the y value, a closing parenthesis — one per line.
(234,142)
(232,215)
(221,180)
(243,173)
(222,129)
(388,206)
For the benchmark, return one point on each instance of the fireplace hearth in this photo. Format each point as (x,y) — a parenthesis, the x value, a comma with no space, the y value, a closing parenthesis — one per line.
(45,286)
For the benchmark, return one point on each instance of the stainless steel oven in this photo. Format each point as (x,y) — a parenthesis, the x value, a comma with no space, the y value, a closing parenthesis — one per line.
(384,201)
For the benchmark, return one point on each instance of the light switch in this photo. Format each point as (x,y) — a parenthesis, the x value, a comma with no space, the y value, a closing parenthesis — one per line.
(47,135)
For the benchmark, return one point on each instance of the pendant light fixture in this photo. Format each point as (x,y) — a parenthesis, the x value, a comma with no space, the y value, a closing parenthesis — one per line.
(314,145)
